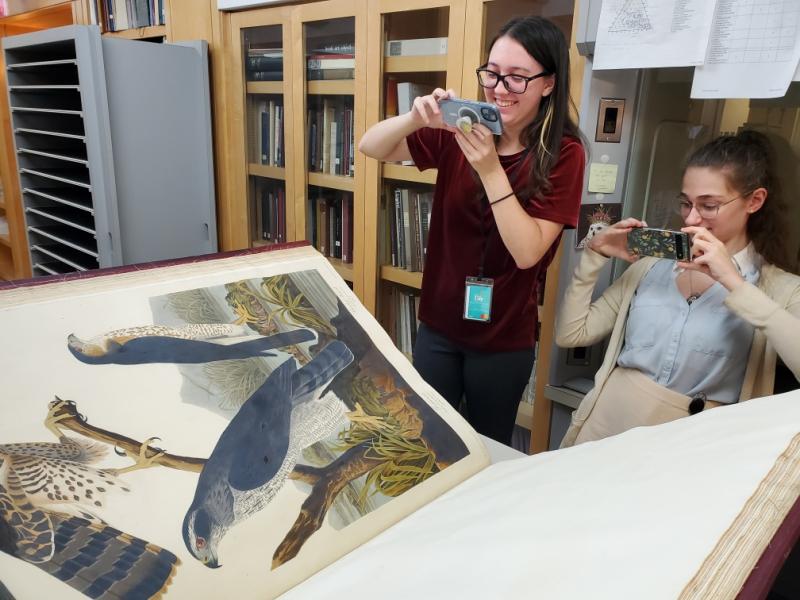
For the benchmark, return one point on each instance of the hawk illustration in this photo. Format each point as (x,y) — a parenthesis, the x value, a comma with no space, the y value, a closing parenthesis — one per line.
(184,345)
(260,447)
(48,495)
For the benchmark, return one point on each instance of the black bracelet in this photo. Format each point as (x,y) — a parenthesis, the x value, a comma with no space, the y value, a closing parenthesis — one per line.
(501,199)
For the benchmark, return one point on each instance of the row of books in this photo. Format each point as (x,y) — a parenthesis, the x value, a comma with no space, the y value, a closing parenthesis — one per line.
(331,136)
(332,225)
(266,131)
(409,215)
(263,64)
(330,66)
(270,213)
(403,320)
(266,64)
(118,15)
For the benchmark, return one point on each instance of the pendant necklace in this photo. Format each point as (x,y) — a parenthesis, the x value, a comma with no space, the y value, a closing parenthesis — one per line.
(692,295)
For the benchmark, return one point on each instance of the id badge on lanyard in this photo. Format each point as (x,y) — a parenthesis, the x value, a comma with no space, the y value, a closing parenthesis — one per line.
(478,299)
(478,290)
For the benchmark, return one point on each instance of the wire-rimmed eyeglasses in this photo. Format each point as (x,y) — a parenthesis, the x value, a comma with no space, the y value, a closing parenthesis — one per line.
(516,84)
(707,209)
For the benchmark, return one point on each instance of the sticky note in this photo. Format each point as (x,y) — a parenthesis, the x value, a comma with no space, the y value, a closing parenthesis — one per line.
(602,178)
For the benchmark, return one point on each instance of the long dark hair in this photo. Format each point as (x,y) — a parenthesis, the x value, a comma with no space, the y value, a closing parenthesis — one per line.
(746,160)
(543,40)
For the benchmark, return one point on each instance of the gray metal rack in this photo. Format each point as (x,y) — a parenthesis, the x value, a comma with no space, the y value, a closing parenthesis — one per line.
(113,142)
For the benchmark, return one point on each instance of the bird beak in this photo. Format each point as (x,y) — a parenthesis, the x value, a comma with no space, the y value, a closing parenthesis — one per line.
(212,563)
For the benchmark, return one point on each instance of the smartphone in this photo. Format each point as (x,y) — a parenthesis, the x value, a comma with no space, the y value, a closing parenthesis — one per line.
(466,113)
(661,243)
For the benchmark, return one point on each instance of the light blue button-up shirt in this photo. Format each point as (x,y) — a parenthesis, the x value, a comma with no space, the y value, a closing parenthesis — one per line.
(689,348)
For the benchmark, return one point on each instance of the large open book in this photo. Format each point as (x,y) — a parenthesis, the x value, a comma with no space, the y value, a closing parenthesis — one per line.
(229,425)
(232,427)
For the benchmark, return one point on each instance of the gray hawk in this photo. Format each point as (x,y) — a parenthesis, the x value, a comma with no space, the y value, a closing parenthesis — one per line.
(261,445)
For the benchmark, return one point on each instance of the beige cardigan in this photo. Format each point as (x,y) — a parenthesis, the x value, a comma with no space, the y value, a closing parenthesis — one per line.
(772,307)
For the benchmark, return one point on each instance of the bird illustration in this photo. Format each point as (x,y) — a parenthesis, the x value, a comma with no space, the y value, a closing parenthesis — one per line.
(49,495)
(260,447)
(186,345)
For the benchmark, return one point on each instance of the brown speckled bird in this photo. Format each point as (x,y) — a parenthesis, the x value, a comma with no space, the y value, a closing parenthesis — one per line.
(49,493)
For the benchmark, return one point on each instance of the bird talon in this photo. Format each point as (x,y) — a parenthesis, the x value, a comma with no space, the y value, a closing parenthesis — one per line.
(53,417)
(141,460)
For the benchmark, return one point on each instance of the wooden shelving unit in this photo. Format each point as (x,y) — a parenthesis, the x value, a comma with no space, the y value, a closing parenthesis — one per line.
(34,15)
(140,33)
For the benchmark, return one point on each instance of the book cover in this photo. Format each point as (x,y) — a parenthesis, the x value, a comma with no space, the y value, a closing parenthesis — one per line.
(232,423)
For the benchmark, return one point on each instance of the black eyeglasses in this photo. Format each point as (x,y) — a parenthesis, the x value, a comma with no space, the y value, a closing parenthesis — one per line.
(516,84)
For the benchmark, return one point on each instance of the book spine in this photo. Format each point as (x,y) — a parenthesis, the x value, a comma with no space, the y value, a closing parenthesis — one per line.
(330,63)
(416,222)
(391,223)
(407,239)
(281,215)
(322,223)
(418,47)
(398,217)
(264,136)
(425,219)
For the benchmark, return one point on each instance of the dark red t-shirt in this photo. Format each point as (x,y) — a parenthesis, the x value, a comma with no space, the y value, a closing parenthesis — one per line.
(456,240)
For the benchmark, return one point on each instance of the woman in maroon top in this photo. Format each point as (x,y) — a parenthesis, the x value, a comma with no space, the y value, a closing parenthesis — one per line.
(499,207)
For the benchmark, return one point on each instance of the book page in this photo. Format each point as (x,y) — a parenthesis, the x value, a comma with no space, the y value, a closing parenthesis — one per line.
(754,50)
(639,34)
(232,424)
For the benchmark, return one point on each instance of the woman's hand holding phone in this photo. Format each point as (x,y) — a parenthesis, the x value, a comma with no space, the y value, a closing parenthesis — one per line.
(612,242)
(710,256)
(425,110)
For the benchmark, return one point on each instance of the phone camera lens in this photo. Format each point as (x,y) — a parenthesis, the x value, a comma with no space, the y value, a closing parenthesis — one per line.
(489,115)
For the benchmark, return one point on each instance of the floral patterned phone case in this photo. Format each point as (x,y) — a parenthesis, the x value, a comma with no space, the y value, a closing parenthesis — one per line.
(661,243)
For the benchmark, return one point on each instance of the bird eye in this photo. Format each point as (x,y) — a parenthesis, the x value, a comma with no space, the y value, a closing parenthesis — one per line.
(200,543)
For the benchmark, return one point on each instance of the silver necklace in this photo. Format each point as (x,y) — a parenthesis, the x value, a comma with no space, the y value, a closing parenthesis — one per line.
(692,295)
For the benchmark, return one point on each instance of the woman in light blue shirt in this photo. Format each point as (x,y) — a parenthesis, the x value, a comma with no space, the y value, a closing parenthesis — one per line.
(686,336)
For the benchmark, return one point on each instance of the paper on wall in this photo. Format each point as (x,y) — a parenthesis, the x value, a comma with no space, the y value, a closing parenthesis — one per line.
(753,52)
(635,34)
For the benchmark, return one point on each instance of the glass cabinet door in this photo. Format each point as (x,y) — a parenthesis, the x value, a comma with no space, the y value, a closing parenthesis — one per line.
(263,56)
(332,122)
(418,48)
(263,200)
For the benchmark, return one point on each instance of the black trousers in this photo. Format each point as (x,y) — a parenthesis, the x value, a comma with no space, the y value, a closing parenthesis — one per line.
(491,383)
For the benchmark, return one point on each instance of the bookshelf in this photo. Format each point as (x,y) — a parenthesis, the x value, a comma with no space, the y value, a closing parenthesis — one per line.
(320,89)
(329,54)
(129,19)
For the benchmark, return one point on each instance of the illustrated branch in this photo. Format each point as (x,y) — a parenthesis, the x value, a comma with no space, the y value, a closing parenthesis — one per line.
(64,414)
(326,484)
